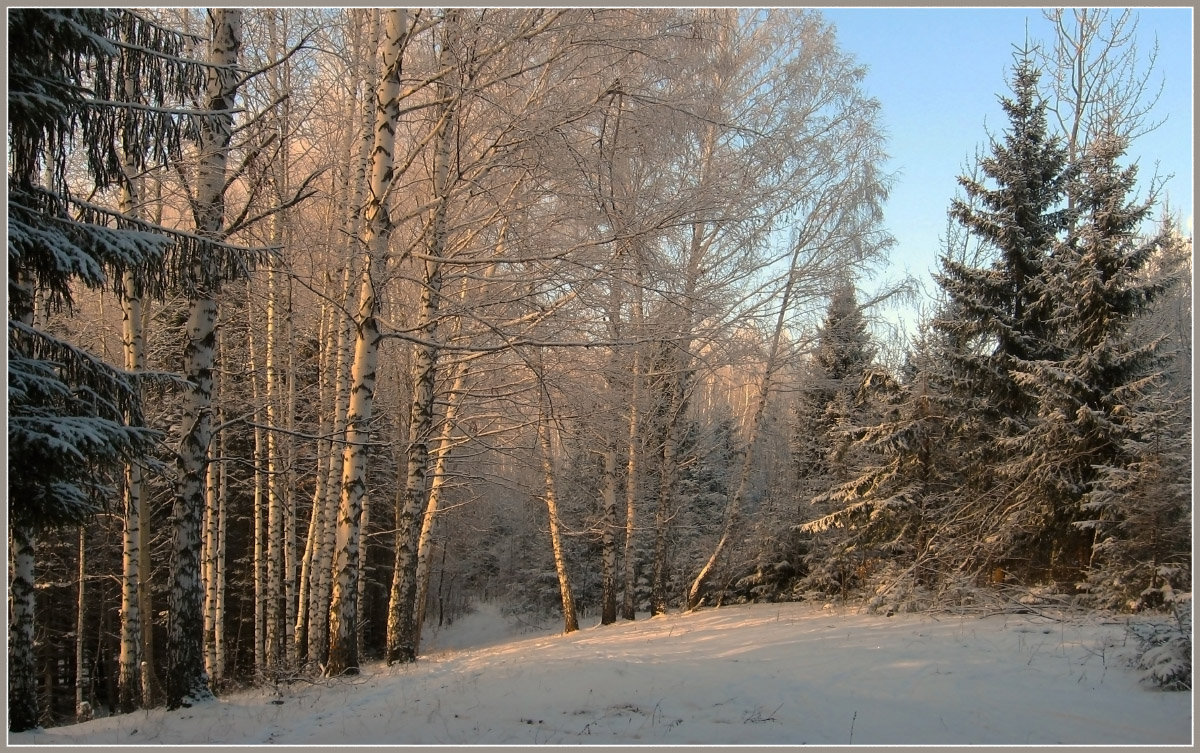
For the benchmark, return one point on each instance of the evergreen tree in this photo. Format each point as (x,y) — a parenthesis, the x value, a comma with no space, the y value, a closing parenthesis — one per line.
(1087,399)
(74,419)
(1001,314)
(836,404)
(843,355)
(894,522)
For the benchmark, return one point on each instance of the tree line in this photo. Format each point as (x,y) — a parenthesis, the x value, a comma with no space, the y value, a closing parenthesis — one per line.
(324,323)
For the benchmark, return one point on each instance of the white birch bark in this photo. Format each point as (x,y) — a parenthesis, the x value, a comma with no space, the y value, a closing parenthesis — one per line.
(289,499)
(441,456)
(186,679)
(318,629)
(218,670)
(402,608)
(82,711)
(343,621)
(316,519)
(208,561)
(214,546)
(633,467)
(360,594)
(363,49)
(257,529)
(129,678)
(273,637)
(22,670)
(570,620)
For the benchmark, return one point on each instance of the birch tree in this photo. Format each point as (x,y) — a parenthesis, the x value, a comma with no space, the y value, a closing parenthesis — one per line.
(186,679)
(833,194)
(402,628)
(343,652)
(1099,81)
(550,496)
(349,192)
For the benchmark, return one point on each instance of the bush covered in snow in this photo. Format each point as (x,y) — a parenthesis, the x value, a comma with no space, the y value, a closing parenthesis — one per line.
(1164,648)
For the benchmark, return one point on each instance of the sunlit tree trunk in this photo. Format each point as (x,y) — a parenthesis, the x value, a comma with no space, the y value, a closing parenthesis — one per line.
(257,529)
(343,627)
(632,471)
(186,680)
(129,677)
(570,620)
(316,518)
(82,713)
(363,48)
(633,466)
(402,608)
(216,515)
(273,639)
(441,455)
(318,640)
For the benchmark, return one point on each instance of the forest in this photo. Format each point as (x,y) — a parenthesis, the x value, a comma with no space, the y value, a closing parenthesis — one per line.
(326,325)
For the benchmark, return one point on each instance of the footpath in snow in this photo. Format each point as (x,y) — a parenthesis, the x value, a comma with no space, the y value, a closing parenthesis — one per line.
(782,674)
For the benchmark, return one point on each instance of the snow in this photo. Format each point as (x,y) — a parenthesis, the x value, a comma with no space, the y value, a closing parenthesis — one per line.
(786,674)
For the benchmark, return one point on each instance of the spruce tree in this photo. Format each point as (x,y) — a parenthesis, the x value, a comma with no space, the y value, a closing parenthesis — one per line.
(1088,398)
(1001,314)
(839,400)
(74,419)
(893,523)
(842,356)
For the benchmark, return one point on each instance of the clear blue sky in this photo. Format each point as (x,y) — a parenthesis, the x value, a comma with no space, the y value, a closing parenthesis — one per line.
(937,73)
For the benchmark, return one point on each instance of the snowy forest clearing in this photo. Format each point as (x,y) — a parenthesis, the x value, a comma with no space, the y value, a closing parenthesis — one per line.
(756,674)
(323,320)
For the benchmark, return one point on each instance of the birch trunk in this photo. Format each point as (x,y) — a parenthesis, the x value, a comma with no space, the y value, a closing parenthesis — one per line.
(22,669)
(632,469)
(667,481)
(82,712)
(209,568)
(364,47)
(129,690)
(402,608)
(318,629)
(570,621)
(289,507)
(214,548)
(678,379)
(609,481)
(608,578)
(343,627)
(257,529)
(186,680)
(360,594)
(316,519)
(273,638)
(152,688)
(441,456)
(218,670)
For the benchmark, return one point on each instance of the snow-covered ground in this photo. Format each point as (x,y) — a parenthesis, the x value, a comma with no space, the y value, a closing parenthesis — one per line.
(785,674)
